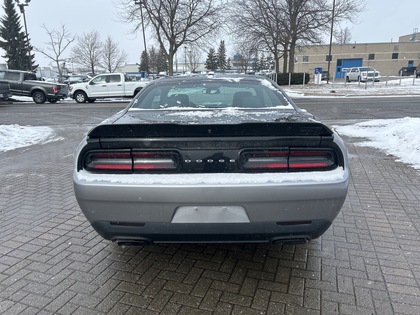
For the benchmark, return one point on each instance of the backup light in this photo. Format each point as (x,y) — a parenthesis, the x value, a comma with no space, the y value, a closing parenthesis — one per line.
(154,161)
(109,161)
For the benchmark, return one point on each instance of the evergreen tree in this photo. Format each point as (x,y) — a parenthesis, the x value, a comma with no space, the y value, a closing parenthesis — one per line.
(14,41)
(229,64)
(211,62)
(221,56)
(152,58)
(162,61)
(157,61)
(144,62)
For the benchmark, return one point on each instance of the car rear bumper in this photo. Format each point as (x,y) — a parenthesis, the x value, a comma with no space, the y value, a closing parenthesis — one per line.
(285,210)
(264,232)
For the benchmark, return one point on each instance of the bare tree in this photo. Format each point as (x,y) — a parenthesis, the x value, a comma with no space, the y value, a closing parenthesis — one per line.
(88,50)
(194,58)
(343,36)
(260,22)
(59,41)
(112,56)
(245,51)
(307,20)
(176,22)
(280,25)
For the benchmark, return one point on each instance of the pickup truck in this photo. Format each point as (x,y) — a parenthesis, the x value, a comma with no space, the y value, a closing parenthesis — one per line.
(105,86)
(362,74)
(25,83)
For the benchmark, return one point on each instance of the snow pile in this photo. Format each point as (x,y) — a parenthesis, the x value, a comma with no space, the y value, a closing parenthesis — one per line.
(399,137)
(15,136)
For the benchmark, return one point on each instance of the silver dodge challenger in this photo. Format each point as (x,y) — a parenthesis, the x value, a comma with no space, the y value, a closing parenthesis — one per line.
(207,159)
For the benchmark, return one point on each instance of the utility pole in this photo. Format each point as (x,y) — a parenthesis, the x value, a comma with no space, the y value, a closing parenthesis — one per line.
(22,10)
(331,35)
(140,2)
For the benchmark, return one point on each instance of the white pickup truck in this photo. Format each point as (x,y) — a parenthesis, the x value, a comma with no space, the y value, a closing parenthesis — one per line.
(105,86)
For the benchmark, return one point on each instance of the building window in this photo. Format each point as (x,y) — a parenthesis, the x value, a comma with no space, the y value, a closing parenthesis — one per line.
(305,58)
(394,55)
(371,57)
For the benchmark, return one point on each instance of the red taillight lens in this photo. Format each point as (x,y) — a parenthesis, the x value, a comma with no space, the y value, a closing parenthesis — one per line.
(289,160)
(56,89)
(130,161)
(312,160)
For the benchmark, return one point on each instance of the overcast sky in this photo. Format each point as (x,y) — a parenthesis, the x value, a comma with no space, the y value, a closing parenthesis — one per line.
(382,21)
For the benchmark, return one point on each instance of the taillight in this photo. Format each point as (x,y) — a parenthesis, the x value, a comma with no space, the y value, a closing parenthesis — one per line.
(109,161)
(265,160)
(289,160)
(161,161)
(130,161)
(56,89)
(312,160)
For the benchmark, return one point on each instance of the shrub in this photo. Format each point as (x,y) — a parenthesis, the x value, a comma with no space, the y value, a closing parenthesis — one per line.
(296,78)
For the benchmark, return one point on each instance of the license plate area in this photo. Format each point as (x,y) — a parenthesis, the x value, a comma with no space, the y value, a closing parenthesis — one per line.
(210,214)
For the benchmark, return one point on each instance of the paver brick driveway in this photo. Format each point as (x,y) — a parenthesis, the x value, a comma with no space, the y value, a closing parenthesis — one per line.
(53,262)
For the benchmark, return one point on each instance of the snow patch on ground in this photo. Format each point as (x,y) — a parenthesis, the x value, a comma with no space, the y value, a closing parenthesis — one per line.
(15,136)
(399,137)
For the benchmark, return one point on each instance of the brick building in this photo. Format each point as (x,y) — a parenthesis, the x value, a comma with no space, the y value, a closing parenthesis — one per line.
(388,58)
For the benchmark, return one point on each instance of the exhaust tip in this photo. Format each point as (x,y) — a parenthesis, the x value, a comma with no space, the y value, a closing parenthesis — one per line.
(291,241)
(131,243)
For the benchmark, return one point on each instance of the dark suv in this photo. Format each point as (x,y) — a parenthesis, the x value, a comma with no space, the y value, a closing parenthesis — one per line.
(407,71)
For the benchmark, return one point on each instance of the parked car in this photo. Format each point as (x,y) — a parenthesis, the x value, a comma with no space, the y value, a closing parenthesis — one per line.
(417,72)
(25,83)
(362,74)
(325,75)
(105,86)
(211,159)
(407,71)
(5,93)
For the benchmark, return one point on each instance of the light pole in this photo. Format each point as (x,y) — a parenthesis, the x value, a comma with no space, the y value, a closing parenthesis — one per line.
(331,35)
(185,59)
(22,10)
(140,2)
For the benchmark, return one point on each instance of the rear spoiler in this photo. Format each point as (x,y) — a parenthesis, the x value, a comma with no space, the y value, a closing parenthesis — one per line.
(207,130)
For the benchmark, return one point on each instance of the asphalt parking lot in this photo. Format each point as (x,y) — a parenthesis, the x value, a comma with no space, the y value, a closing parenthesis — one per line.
(53,262)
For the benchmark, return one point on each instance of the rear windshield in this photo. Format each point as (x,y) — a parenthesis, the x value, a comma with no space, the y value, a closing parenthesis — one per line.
(215,93)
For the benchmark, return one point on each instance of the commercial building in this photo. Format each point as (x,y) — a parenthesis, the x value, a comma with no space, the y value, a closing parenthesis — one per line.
(388,58)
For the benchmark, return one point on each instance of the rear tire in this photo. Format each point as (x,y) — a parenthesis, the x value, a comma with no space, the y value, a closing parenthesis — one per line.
(52,100)
(80,97)
(39,97)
